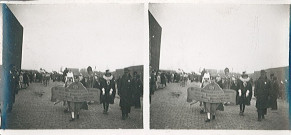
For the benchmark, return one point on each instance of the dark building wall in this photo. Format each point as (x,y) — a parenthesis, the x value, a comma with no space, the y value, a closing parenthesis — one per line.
(11,55)
(155,33)
(281,73)
(139,69)
(12,39)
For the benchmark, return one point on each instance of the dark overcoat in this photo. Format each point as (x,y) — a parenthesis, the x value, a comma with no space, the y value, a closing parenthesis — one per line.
(137,91)
(262,88)
(125,91)
(274,93)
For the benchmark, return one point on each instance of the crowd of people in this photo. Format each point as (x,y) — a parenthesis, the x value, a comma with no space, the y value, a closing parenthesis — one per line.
(128,87)
(21,79)
(266,92)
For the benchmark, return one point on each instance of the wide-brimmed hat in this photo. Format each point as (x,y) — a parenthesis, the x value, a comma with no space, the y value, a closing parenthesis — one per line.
(107,72)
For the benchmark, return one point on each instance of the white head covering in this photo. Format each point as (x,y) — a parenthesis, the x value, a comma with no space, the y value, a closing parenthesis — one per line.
(206,75)
(70,74)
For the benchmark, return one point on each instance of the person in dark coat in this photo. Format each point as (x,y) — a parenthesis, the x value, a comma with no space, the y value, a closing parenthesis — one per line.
(152,84)
(163,80)
(274,92)
(65,74)
(26,79)
(12,88)
(224,83)
(244,93)
(125,93)
(262,88)
(137,90)
(107,91)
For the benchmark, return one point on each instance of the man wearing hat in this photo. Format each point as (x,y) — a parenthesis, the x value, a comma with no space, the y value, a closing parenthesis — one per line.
(107,91)
(152,84)
(125,93)
(262,88)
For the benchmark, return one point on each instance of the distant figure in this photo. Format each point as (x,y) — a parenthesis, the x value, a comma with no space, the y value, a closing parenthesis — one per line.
(262,88)
(65,74)
(158,81)
(26,79)
(163,80)
(152,84)
(69,78)
(20,81)
(137,90)
(274,92)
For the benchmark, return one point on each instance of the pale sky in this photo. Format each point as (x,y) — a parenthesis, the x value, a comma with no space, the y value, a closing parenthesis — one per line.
(215,36)
(81,35)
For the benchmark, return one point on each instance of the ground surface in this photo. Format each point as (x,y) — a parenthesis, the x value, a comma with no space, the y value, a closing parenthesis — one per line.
(169,110)
(32,111)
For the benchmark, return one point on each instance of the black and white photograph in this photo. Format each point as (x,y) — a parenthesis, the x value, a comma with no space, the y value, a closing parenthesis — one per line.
(142,67)
(219,66)
(72,66)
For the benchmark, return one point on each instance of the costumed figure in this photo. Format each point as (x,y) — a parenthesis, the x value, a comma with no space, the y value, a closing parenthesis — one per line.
(75,107)
(205,81)
(69,79)
(244,93)
(210,108)
(107,91)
